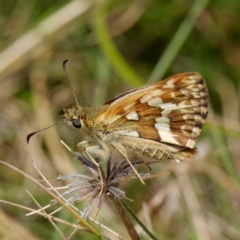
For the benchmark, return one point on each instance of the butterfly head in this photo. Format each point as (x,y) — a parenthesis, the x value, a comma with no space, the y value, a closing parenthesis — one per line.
(73,117)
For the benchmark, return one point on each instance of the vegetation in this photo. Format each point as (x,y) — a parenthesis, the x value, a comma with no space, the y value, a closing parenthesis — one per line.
(112,47)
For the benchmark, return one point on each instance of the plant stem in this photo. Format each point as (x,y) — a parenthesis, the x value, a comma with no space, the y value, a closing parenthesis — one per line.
(125,218)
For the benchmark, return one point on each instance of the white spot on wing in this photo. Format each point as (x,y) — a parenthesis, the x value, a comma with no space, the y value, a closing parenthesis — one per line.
(184,127)
(190,143)
(195,103)
(165,133)
(162,127)
(184,91)
(155,102)
(167,137)
(196,131)
(132,116)
(192,78)
(165,112)
(128,133)
(197,118)
(203,110)
(151,95)
(170,83)
(162,120)
(168,106)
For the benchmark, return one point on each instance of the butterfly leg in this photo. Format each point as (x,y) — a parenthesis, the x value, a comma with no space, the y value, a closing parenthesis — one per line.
(129,162)
(86,150)
(99,170)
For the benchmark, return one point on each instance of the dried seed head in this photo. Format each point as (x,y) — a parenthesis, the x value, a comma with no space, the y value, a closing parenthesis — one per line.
(90,187)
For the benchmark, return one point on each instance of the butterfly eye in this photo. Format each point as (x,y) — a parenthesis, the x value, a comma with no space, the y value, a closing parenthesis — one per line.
(76,123)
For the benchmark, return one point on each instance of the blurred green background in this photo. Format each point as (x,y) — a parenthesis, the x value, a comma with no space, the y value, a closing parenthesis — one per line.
(111,48)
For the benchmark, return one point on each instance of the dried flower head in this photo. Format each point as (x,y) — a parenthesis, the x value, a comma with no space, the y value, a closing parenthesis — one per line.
(91,187)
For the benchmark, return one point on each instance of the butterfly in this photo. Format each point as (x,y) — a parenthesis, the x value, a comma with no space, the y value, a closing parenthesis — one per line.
(159,122)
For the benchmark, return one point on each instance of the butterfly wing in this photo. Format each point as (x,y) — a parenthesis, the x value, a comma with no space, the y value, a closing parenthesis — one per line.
(171,111)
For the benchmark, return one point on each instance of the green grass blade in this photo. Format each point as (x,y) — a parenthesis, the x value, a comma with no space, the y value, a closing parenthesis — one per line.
(111,51)
(177,41)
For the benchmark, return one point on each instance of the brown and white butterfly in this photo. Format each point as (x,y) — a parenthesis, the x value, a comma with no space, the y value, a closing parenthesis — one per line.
(161,121)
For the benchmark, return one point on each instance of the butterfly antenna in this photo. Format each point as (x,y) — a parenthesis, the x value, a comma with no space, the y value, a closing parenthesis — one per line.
(70,83)
(34,133)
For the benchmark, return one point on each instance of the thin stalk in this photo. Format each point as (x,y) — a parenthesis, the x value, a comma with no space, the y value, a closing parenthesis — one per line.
(125,218)
(139,222)
(81,220)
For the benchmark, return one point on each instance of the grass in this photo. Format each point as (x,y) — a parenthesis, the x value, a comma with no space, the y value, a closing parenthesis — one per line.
(113,48)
